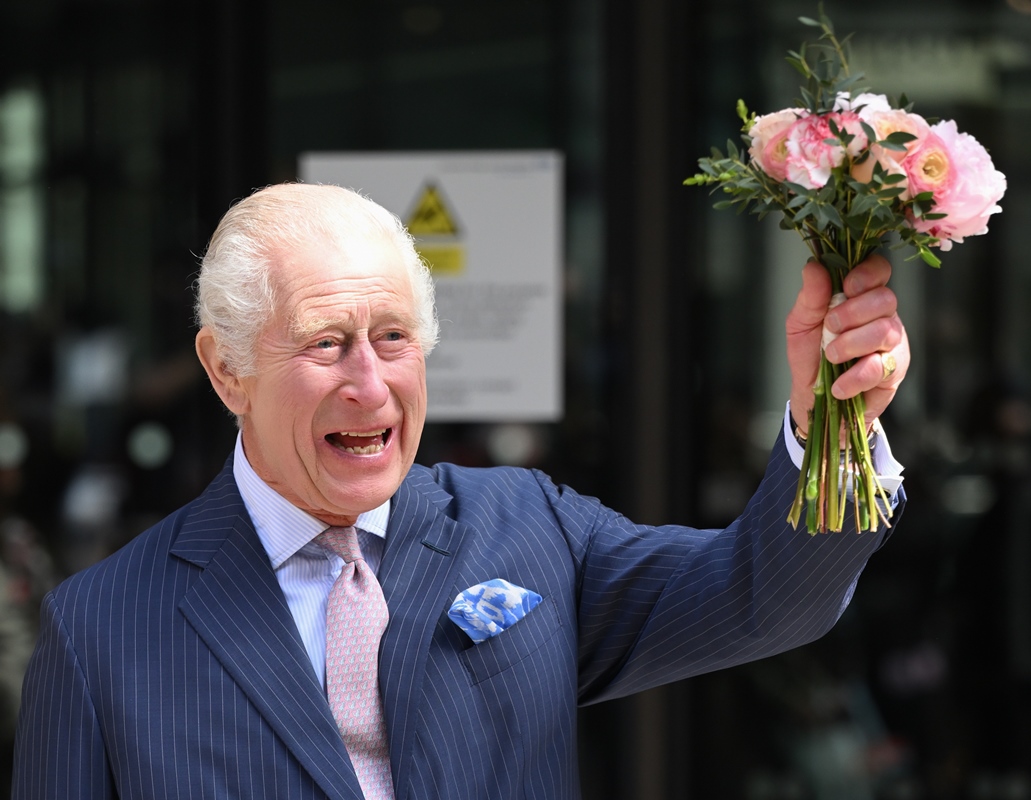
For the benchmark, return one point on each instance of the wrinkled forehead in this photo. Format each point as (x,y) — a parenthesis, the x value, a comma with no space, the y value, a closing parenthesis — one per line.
(332,276)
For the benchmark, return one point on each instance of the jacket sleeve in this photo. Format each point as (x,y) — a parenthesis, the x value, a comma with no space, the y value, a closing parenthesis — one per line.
(59,753)
(659,604)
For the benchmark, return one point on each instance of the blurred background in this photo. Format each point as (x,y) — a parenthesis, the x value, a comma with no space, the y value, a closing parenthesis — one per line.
(127,127)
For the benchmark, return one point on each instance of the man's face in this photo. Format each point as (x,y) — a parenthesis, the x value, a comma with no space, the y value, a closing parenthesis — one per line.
(336,409)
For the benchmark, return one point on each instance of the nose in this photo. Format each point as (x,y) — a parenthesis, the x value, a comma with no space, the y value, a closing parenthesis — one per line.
(361,378)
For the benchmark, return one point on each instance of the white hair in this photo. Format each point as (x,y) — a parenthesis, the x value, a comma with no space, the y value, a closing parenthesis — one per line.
(236,295)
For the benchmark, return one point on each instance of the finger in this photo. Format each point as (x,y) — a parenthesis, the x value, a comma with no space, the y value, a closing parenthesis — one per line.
(862,309)
(880,335)
(877,375)
(870,273)
(813,298)
(866,374)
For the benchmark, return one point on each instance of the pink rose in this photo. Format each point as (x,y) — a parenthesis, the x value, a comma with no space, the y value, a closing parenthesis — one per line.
(768,134)
(811,151)
(957,169)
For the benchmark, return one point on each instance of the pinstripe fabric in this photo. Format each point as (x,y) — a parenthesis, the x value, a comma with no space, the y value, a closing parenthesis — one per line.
(174,669)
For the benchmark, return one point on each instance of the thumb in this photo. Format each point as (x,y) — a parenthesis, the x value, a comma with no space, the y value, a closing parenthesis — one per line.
(813,299)
(804,328)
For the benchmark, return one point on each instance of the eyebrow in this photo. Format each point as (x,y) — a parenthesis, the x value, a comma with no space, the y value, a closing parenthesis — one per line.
(303,328)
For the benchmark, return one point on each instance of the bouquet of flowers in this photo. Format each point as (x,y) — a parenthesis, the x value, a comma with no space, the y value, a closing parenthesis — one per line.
(849,170)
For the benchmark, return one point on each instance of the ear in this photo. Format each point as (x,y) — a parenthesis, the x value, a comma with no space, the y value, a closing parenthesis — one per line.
(225,383)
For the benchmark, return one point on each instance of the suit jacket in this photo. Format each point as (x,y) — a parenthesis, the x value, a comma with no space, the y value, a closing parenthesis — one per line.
(173,669)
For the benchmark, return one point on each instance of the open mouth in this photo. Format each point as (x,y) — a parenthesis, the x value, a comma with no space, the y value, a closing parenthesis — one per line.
(361,444)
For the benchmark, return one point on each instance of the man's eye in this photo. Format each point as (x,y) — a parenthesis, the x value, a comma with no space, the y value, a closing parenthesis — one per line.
(325,344)
(394,336)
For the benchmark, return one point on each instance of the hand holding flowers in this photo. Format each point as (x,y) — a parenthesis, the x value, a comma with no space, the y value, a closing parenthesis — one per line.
(866,329)
(847,169)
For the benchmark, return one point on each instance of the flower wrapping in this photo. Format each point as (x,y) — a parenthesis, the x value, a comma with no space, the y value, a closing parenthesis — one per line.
(850,171)
(488,608)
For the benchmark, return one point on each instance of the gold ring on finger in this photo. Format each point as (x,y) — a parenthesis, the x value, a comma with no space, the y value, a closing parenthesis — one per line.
(888,366)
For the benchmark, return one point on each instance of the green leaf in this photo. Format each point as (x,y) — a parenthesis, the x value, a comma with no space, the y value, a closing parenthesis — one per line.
(930,258)
(805,211)
(862,206)
(834,260)
(847,83)
(833,216)
(742,111)
(898,138)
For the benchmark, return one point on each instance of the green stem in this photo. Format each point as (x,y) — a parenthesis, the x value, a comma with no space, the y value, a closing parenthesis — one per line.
(833,437)
(796,507)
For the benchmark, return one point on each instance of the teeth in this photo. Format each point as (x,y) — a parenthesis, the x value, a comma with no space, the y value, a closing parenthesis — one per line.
(375,446)
(364,451)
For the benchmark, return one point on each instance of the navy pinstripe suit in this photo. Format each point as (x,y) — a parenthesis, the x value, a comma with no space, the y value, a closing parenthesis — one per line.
(174,669)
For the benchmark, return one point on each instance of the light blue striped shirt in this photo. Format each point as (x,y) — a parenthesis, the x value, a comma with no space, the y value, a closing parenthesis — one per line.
(305,570)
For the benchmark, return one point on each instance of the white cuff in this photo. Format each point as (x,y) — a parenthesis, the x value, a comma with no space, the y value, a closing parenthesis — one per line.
(889,471)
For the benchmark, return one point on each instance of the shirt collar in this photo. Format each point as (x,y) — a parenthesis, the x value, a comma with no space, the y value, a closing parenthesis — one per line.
(282,527)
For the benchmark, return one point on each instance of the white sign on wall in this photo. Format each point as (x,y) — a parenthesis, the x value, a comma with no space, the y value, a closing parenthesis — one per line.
(490,226)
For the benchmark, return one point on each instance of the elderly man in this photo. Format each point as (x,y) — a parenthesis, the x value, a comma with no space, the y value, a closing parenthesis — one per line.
(289,634)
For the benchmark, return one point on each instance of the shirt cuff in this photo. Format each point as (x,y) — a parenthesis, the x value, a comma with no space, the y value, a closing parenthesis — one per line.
(889,471)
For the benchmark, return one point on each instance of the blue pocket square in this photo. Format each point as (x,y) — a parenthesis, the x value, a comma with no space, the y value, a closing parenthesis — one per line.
(487,609)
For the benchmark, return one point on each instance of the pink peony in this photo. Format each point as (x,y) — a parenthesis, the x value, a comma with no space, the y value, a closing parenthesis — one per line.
(811,155)
(768,134)
(885,123)
(957,169)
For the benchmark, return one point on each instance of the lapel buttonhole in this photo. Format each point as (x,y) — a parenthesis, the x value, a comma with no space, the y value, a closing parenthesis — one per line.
(435,548)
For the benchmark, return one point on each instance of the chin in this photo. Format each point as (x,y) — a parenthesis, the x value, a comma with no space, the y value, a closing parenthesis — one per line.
(358,500)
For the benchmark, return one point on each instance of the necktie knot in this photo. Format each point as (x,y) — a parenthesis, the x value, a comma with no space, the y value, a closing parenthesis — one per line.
(342,541)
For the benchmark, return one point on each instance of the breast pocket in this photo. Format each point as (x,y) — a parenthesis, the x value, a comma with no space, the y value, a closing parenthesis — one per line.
(521,640)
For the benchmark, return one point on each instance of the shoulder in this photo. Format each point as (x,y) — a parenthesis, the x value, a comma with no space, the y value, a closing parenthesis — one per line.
(500,485)
(452,476)
(493,495)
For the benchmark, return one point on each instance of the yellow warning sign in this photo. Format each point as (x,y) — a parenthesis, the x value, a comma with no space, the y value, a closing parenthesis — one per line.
(431,216)
(443,259)
(435,229)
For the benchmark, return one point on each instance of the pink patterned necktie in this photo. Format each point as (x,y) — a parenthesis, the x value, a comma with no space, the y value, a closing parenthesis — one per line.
(356,617)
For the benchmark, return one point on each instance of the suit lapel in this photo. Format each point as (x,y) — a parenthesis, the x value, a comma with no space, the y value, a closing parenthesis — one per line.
(238,609)
(422,554)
